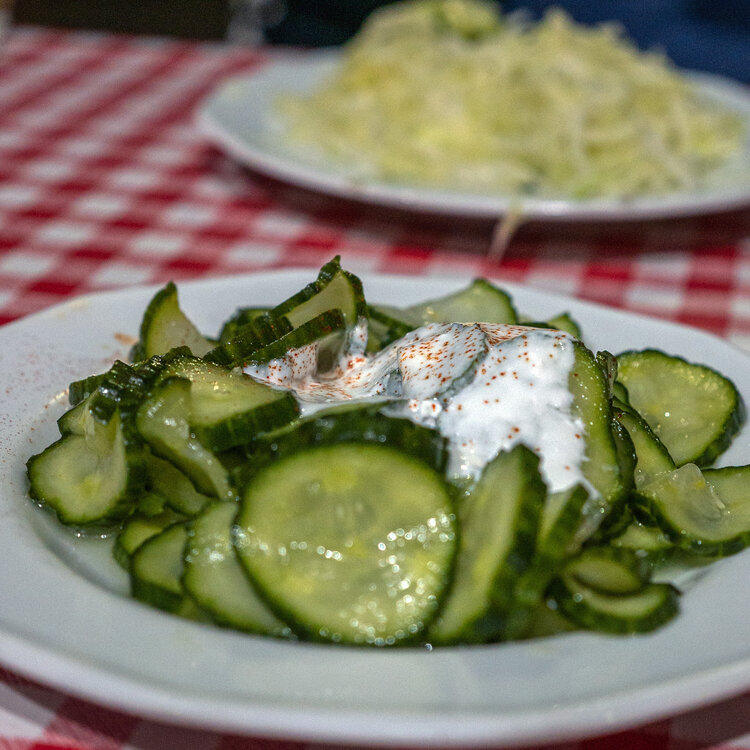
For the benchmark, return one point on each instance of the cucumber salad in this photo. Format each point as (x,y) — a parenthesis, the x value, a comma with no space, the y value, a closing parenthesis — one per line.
(453,472)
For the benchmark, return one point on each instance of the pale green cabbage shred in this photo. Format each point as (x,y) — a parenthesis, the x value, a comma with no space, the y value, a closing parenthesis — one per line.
(451,94)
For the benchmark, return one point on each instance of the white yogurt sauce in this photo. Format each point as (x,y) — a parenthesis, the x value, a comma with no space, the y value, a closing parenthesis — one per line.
(484,387)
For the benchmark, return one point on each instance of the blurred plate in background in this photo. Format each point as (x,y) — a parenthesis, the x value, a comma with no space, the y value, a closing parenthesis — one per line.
(240,117)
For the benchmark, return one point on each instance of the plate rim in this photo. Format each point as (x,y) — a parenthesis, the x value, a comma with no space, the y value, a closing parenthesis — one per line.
(289,168)
(725,680)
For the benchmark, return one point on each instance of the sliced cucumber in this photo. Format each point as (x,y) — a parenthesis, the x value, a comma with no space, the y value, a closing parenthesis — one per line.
(345,528)
(706,512)
(561,322)
(620,393)
(647,609)
(165,326)
(214,578)
(652,457)
(150,502)
(229,408)
(247,349)
(498,518)
(79,390)
(163,420)
(546,621)
(173,485)
(89,479)
(334,289)
(253,335)
(564,322)
(693,409)
(481,301)
(136,530)
(156,572)
(732,485)
(241,318)
(350,543)
(394,321)
(313,313)
(384,326)
(648,542)
(561,520)
(572,517)
(618,516)
(602,465)
(349,423)
(121,388)
(609,570)
(78,419)
(556,537)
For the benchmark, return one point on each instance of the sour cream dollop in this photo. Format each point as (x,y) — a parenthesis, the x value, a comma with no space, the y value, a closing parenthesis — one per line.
(485,387)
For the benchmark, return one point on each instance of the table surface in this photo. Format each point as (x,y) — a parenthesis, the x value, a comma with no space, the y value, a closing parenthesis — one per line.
(105,182)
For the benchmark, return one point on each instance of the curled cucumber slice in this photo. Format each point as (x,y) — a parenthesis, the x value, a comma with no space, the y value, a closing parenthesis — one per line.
(610,570)
(648,608)
(652,457)
(499,518)
(334,289)
(229,408)
(165,326)
(89,479)
(706,512)
(247,347)
(163,421)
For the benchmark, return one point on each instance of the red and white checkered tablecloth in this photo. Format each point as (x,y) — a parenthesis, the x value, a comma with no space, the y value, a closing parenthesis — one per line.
(105,182)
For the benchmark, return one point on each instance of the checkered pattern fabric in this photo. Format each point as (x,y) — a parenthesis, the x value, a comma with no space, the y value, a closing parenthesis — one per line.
(105,182)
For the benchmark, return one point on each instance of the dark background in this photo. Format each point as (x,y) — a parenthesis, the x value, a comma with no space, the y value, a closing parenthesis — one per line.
(196,19)
(710,35)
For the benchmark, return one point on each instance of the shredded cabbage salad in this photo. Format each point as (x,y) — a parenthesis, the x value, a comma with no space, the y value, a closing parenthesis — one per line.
(452,94)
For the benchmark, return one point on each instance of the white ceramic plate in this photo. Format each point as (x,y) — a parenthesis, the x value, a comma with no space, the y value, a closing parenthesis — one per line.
(65,620)
(240,117)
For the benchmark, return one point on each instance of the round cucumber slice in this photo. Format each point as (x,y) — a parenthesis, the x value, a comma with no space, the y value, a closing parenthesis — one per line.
(350,543)
(216,581)
(694,411)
